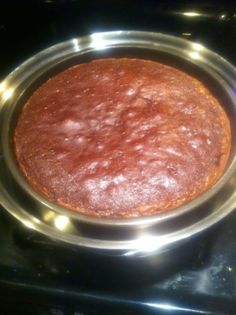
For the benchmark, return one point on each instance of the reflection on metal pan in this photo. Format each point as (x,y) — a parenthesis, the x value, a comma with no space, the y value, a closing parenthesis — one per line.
(115,236)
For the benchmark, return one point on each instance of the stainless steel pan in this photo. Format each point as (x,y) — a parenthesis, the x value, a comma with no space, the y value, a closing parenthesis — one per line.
(141,236)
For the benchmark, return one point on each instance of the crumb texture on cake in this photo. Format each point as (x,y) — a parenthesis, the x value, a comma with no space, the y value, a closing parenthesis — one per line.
(122,138)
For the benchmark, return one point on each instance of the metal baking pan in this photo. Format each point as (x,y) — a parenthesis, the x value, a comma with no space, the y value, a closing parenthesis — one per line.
(142,236)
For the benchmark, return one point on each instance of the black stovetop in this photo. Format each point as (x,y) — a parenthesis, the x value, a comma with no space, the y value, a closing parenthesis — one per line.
(35,276)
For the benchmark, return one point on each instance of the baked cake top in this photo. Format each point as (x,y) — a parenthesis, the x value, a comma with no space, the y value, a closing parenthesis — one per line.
(122,138)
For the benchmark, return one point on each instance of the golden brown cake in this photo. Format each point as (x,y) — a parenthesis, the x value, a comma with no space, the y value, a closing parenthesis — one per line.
(122,138)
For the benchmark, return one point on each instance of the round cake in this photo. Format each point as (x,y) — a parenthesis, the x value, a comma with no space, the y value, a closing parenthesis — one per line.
(122,138)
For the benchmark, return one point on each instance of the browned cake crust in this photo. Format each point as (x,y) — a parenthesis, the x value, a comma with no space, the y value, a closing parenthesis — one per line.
(122,138)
